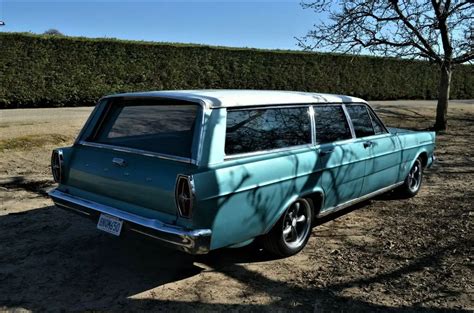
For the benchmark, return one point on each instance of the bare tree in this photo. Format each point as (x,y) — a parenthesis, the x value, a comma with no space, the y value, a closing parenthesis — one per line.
(53,32)
(441,31)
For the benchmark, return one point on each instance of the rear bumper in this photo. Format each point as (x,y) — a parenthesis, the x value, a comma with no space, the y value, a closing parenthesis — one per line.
(195,241)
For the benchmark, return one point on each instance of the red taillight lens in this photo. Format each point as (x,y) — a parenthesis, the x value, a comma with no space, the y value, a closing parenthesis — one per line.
(57,165)
(184,196)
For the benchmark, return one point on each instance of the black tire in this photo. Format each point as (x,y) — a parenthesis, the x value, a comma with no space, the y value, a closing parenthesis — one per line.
(291,233)
(412,183)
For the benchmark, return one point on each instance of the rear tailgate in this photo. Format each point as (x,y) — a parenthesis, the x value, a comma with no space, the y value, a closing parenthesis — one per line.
(143,181)
(134,153)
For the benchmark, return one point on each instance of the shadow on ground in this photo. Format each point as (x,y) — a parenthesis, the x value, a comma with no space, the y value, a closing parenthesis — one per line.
(53,260)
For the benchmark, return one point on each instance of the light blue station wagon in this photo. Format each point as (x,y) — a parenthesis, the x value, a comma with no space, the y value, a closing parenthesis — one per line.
(206,169)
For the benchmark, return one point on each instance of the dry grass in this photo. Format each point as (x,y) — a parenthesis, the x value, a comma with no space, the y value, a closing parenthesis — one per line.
(30,142)
(386,255)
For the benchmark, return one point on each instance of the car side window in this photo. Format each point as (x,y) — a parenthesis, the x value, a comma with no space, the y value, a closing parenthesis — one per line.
(378,127)
(265,129)
(331,124)
(361,120)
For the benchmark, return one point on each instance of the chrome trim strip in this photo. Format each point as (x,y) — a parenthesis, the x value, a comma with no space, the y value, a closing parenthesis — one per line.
(199,121)
(195,241)
(87,123)
(262,152)
(377,117)
(280,105)
(150,235)
(202,128)
(357,200)
(313,125)
(349,121)
(265,106)
(76,210)
(314,146)
(424,142)
(138,151)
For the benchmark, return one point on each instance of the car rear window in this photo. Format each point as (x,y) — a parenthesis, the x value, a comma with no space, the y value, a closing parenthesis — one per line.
(161,126)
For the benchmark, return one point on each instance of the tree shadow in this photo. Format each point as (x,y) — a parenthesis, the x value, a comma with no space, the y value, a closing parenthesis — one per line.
(22,183)
(51,260)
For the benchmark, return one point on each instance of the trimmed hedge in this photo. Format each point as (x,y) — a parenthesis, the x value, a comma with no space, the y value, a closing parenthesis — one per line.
(41,71)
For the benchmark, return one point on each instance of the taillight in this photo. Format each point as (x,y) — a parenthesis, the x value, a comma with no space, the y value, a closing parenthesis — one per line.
(57,165)
(184,195)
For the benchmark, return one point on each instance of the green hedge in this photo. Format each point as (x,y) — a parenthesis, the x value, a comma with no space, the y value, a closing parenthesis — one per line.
(39,71)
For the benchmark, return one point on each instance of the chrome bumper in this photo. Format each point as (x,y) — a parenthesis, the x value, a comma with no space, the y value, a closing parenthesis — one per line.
(195,241)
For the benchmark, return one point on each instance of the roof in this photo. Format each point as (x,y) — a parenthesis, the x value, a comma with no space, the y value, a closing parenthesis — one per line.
(220,98)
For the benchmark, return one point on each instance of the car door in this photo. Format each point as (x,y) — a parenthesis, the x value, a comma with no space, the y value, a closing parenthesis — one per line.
(382,165)
(342,161)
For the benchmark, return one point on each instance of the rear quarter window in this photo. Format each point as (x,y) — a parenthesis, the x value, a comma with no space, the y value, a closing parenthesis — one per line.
(160,126)
(255,130)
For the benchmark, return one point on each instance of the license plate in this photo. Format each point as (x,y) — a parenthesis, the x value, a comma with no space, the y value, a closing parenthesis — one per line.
(110,224)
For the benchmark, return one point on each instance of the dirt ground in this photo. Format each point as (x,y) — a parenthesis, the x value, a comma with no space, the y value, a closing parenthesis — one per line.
(383,255)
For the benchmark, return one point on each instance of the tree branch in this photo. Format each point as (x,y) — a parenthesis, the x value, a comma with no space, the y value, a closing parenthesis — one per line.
(463,58)
(458,6)
(410,26)
(441,17)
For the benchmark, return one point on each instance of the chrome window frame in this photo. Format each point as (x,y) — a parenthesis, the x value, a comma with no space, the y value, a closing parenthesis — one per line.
(228,157)
(352,123)
(313,125)
(197,151)
(88,122)
(371,110)
(195,158)
(137,151)
(314,144)
(348,121)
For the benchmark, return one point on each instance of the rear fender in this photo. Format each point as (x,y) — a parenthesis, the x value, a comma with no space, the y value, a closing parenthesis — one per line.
(290,201)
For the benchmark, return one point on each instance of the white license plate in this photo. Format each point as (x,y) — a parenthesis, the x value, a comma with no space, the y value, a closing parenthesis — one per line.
(110,224)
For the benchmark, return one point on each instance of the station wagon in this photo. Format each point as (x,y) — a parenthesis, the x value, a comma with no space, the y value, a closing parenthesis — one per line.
(206,169)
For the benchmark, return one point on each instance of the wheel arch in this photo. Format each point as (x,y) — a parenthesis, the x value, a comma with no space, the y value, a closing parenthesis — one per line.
(316,196)
(423,155)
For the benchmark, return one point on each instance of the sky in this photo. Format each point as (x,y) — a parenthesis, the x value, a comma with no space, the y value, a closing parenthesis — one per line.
(257,24)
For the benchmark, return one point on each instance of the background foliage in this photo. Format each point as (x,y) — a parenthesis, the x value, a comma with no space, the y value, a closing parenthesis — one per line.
(43,70)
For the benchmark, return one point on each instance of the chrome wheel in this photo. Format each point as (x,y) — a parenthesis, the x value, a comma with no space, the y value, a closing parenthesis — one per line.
(297,224)
(414,177)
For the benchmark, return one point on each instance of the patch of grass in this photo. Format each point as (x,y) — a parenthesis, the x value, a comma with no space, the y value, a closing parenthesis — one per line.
(33,141)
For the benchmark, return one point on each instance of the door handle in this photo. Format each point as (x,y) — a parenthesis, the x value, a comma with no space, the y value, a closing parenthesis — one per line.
(119,162)
(368,144)
(326,152)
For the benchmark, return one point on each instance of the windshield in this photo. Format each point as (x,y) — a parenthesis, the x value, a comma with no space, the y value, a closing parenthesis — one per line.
(161,126)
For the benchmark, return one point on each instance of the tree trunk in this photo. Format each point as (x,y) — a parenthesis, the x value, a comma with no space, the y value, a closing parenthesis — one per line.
(443,98)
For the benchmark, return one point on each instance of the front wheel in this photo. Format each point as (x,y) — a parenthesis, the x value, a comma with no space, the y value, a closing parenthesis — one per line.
(412,183)
(291,233)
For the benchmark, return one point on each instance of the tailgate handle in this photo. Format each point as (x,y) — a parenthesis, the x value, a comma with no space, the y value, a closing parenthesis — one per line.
(119,162)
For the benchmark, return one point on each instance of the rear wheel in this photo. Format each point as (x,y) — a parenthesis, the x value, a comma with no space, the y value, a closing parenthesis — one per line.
(412,183)
(291,233)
